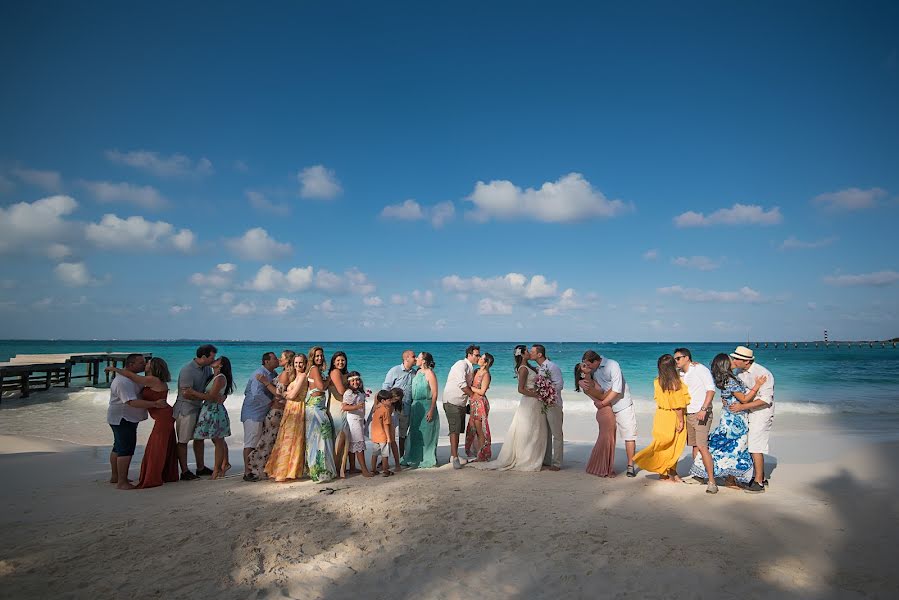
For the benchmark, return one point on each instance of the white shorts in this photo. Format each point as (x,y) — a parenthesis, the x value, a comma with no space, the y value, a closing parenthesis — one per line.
(184,427)
(627,424)
(252,433)
(760,423)
(382,450)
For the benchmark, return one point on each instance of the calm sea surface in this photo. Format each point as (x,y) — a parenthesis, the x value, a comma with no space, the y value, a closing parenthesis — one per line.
(808,380)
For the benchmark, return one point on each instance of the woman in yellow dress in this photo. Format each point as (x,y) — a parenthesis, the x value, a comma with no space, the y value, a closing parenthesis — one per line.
(668,434)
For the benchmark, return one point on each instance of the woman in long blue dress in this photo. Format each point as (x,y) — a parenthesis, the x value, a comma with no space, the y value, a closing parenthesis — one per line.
(729,441)
(319,431)
(424,420)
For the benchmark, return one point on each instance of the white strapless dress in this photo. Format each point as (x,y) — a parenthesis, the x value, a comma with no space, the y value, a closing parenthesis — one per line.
(525,443)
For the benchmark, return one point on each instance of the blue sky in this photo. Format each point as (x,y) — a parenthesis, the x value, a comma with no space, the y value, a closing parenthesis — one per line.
(490,171)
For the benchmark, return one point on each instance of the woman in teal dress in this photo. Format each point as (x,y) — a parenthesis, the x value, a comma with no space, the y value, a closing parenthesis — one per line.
(319,431)
(424,421)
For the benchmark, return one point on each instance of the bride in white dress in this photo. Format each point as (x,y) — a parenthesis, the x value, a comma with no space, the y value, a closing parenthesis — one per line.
(525,443)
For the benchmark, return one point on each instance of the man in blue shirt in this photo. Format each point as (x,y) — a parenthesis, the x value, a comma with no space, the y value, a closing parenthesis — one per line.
(256,402)
(401,376)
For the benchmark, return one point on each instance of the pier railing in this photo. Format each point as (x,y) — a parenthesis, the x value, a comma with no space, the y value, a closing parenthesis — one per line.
(25,372)
(824,344)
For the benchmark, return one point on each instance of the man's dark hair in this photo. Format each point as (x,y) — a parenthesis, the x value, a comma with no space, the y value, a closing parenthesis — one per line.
(685,352)
(131,359)
(591,356)
(471,349)
(541,349)
(267,354)
(206,350)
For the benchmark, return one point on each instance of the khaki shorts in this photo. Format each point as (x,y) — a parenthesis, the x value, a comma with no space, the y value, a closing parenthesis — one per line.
(698,435)
(455,417)
(184,427)
(402,428)
(252,433)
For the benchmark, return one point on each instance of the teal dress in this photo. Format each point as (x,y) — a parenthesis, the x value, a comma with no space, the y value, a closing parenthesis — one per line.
(213,421)
(421,441)
(319,439)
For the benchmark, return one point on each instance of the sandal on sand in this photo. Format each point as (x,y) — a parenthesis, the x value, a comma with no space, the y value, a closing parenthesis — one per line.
(386,473)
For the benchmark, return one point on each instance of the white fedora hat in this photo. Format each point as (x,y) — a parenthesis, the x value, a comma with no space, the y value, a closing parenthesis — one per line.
(742,353)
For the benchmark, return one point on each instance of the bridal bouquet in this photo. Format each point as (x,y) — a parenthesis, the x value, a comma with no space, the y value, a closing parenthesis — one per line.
(546,393)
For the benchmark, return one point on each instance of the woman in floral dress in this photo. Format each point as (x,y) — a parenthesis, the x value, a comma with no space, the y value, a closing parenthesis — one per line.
(319,431)
(288,456)
(477,435)
(729,442)
(292,364)
(213,422)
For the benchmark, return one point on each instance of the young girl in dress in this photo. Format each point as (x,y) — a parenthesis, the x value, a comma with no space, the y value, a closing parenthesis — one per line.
(354,407)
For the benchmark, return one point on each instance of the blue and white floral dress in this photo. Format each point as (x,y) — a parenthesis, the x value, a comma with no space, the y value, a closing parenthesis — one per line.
(729,442)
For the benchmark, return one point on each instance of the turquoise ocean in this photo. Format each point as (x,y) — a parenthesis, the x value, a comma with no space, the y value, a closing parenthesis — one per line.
(809,380)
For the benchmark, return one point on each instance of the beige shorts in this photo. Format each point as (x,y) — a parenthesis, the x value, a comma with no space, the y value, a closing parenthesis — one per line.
(627,424)
(252,433)
(698,435)
(760,424)
(184,427)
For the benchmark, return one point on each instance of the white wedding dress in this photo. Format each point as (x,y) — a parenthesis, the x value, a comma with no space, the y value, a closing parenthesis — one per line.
(525,443)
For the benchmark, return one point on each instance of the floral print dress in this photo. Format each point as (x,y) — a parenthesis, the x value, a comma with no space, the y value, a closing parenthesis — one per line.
(729,442)
(480,409)
(213,421)
(319,438)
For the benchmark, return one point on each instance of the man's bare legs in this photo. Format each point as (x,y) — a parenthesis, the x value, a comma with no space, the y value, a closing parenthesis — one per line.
(630,447)
(182,457)
(758,464)
(246,460)
(198,454)
(122,465)
(707,461)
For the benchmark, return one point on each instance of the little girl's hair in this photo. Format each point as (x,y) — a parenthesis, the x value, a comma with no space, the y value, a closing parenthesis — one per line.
(396,394)
(353,374)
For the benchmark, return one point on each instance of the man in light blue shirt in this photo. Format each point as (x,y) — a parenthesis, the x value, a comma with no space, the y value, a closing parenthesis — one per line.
(401,376)
(256,402)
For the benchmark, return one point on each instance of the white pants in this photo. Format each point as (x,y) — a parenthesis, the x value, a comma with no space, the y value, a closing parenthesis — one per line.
(760,423)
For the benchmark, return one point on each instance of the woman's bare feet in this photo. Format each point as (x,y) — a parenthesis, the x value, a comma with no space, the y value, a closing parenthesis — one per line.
(225,468)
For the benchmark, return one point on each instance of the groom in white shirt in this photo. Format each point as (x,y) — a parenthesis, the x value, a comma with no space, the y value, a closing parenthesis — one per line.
(555,442)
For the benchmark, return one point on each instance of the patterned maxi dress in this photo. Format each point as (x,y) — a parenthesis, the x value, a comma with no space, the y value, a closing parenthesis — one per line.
(480,409)
(288,455)
(213,421)
(319,438)
(729,442)
(270,427)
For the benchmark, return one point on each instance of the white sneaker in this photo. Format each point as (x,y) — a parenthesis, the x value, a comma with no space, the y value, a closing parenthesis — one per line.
(456,463)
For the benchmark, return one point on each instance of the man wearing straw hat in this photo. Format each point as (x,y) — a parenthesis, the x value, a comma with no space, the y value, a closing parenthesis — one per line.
(761,412)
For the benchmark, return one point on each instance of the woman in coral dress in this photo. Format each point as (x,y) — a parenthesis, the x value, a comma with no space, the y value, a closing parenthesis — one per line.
(160,462)
(477,435)
(602,458)
(287,460)
(668,434)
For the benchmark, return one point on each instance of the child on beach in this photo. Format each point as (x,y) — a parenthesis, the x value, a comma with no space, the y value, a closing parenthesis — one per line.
(354,407)
(382,432)
(396,407)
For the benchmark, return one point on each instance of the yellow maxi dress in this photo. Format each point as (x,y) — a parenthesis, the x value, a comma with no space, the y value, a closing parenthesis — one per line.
(667,445)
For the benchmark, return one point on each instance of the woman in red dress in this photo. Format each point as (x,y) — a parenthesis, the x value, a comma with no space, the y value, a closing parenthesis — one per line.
(160,462)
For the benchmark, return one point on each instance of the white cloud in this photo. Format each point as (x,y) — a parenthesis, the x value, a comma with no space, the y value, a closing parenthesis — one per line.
(137,233)
(849,199)
(511,285)
(178,309)
(812,305)
(73,274)
(49,181)
(651,254)
(318,182)
(144,196)
(263,204)
(571,198)
(243,309)
(326,306)
(398,299)
(878,279)
(489,306)
(58,251)
(441,212)
(440,324)
(284,306)
(220,277)
(269,279)
(700,263)
(410,210)
(567,301)
(373,301)
(353,280)
(425,298)
(256,244)
(791,243)
(25,224)
(176,165)
(743,295)
(738,214)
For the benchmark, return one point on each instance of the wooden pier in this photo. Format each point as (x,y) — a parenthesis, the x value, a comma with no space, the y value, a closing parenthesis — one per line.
(25,372)
(825,344)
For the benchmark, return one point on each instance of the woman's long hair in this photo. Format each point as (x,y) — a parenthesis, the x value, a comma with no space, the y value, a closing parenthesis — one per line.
(310,361)
(488,361)
(229,378)
(721,371)
(520,355)
(669,380)
(289,368)
(334,358)
(428,360)
(578,375)
(158,369)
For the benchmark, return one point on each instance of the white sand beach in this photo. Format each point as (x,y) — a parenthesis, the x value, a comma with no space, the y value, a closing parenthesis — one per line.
(825,528)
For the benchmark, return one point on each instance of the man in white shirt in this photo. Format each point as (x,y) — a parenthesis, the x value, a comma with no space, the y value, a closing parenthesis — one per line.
(456,393)
(701,386)
(554,441)
(761,412)
(125,411)
(606,374)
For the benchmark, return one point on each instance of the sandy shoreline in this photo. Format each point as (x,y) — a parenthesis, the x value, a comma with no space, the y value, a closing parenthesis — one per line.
(823,530)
